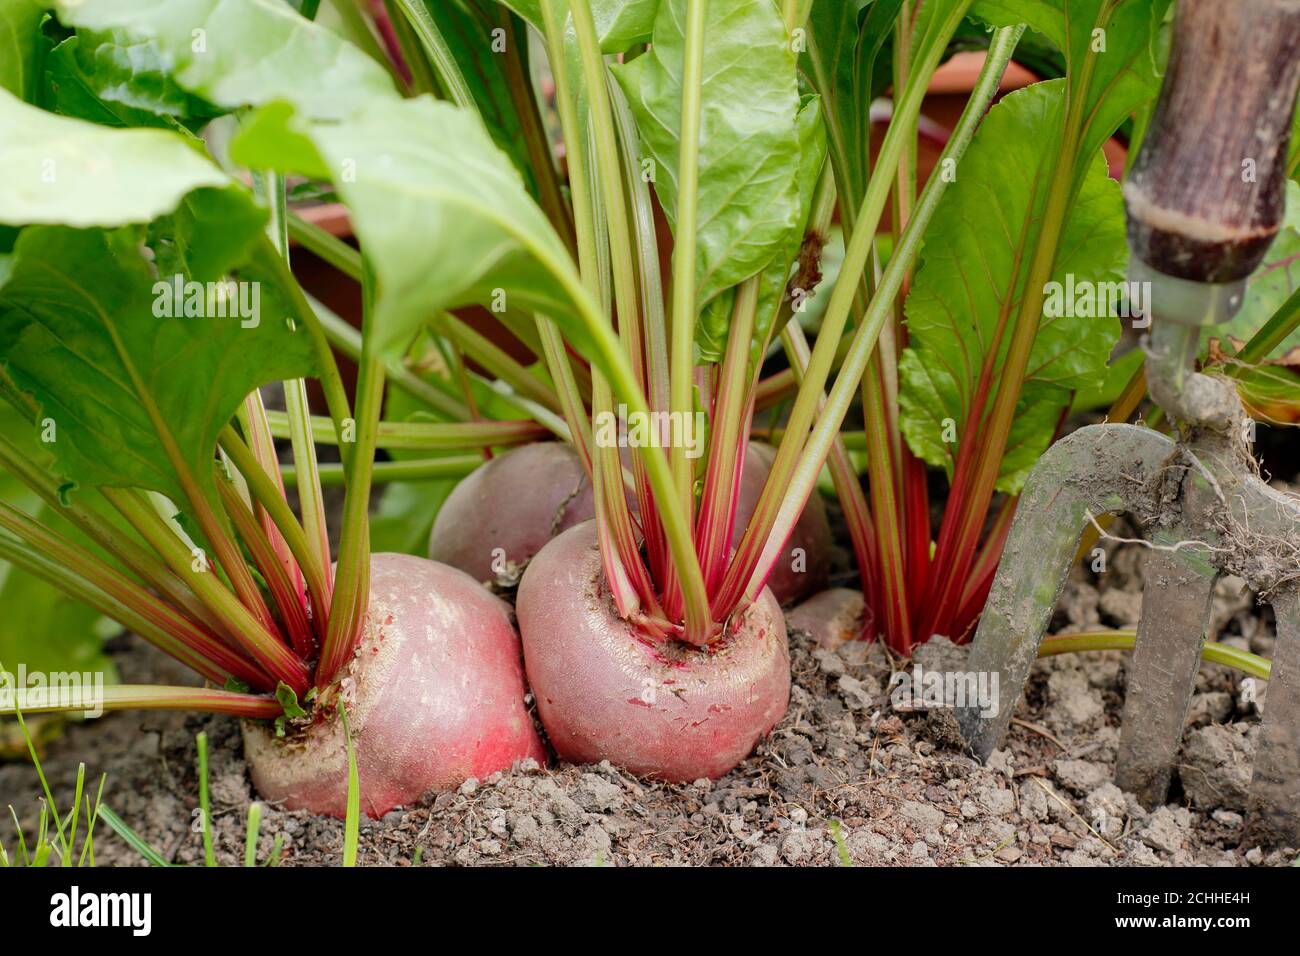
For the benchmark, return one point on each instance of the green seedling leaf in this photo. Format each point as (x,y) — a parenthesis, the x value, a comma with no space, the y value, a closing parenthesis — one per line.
(749,143)
(205,807)
(973,275)
(22,854)
(246,52)
(251,834)
(277,847)
(292,709)
(289,701)
(841,849)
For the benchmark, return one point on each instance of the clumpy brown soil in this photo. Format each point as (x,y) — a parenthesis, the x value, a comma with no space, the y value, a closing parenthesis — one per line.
(843,761)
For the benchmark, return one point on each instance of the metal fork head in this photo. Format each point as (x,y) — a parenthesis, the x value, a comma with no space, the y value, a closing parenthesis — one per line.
(1208,514)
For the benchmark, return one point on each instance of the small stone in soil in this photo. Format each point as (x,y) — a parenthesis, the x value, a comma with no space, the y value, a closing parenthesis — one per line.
(1215,768)
(1081,776)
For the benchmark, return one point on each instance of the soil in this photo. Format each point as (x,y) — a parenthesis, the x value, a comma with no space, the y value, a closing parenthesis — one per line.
(846,777)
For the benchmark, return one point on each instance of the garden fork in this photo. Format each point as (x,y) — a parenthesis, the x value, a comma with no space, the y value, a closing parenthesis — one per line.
(1204,201)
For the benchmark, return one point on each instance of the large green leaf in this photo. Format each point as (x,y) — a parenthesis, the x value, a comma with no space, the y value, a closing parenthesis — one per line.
(243,52)
(441,212)
(20,46)
(111,79)
(749,163)
(467,32)
(210,233)
(1118,37)
(78,330)
(714,322)
(84,323)
(619,23)
(52,634)
(73,90)
(57,170)
(844,63)
(968,288)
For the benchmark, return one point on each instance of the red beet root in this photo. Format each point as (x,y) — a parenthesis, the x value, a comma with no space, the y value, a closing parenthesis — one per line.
(806,561)
(516,503)
(435,694)
(666,710)
(520,500)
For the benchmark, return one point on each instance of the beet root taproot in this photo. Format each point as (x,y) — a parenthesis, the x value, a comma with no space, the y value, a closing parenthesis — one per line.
(434,695)
(664,709)
(506,509)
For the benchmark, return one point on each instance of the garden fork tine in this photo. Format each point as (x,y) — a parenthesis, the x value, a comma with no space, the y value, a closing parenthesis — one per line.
(1271,555)
(1275,782)
(1176,601)
(1098,469)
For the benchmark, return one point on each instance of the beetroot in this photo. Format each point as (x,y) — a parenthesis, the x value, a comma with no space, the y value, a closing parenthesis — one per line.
(516,503)
(435,694)
(521,499)
(667,710)
(812,532)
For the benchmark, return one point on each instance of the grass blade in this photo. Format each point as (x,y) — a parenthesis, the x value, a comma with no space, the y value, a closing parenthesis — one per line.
(132,839)
(22,840)
(352,822)
(92,817)
(276,848)
(74,815)
(254,828)
(205,813)
(40,773)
